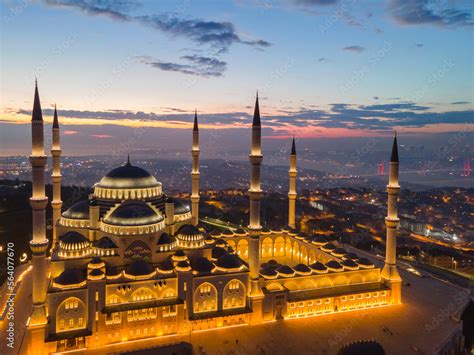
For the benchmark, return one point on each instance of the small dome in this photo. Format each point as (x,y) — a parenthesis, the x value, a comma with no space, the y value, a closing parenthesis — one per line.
(133,213)
(329,247)
(268,273)
(319,240)
(128,177)
(240,232)
(181,206)
(229,261)
(339,252)
(165,238)
(189,233)
(365,263)
(165,266)
(70,277)
(202,265)
(179,255)
(73,241)
(333,265)
(96,261)
(215,233)
(301,236)
(302,269)
(105,243)
(349,264)
(79,210)
(217,252)
(183,265)
(96,273)
(273,263)
(319,267)
(352,256)
(227,233)
(265,230)
(208,239)
(139,268)
(285,271)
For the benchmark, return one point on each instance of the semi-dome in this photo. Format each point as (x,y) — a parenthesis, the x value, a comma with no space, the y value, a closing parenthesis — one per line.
(70,277)
(229,261)
(105,243)
(267,272)
(217,252)
(285,271)
(133,213)
(80,210)
(165,238)
(128,177)
(202,265)
(139,268)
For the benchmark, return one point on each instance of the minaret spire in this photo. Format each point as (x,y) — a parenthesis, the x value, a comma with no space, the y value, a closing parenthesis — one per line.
(195,172)
(195,127)
(256,114)
(255,195)
(56,177)
(292,189)
(389,272)
(39,243)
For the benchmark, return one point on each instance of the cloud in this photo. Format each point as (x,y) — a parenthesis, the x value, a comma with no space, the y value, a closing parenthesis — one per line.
(195,65)
(419,45)
(218,35)
(425,12)
(101,136)
(380,117)
(460,103)
(322,59)
(354,49)
(70,132)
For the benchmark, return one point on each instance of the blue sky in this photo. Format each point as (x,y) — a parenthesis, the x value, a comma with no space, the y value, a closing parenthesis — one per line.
(324,68)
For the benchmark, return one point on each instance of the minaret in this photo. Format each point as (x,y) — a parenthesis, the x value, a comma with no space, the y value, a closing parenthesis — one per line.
(39,243)
(255,195)
(390,273)
(292,191)
(56,203)
(195,172)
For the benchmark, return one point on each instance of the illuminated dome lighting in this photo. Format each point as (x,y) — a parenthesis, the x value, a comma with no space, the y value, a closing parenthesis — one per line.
(71,278)
(333,265)
(302,269)
(183,266)
(265,230)
(179,255)
(285,271)
(240,232)
(349,264)
(268,273)
(96,263)
(365,263)
(128,177)
(96,274)
(328,247)
(227,233)
(221,243)
(320,240)
(166,242)
(189,236)
(133,213)
(79,210)
(165,267)
(319,268)
(339,252)
(73,241)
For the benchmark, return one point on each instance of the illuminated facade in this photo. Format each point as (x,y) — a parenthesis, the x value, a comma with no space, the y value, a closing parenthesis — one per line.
(132,263)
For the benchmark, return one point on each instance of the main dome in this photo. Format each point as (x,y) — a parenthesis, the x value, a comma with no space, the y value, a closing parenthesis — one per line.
(128,177)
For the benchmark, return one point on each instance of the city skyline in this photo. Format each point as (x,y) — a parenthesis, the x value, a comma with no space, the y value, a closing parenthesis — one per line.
(329,69)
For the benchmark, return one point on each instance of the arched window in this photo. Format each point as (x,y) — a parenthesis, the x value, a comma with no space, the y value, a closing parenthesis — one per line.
(142,294)
(279,248)
(205,298)
(267,248)
(71,314)
(234,294)
(243,249)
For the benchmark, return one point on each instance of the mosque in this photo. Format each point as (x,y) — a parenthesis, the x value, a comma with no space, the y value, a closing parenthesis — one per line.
(132,263)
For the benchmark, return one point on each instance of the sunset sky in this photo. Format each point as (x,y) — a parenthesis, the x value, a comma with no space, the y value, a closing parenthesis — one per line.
(323,68)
